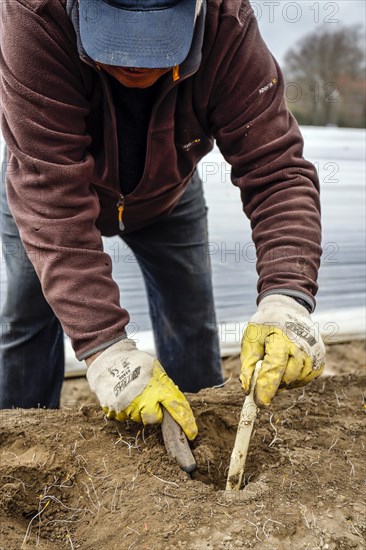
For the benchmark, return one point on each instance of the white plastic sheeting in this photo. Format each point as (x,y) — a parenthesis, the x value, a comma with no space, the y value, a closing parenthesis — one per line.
(339,155)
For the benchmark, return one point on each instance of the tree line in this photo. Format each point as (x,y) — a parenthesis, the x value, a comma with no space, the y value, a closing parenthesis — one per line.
(325,78)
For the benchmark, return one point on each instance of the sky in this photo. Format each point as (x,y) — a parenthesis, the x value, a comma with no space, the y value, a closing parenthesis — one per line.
(284,22)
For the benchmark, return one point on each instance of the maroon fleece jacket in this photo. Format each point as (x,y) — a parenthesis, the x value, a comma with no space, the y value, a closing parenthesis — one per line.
(63,185)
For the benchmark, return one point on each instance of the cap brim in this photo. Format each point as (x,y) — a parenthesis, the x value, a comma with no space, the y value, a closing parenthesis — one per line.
(152,39)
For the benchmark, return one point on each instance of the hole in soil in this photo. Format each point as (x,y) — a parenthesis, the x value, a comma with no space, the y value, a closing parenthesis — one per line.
(30,514)
(213,447)
(217,428)
(22,487)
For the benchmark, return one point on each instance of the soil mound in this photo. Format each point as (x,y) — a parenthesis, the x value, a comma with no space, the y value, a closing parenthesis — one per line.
(71,479)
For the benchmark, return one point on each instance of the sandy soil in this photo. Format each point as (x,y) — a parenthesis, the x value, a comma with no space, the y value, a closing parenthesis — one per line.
(71,479)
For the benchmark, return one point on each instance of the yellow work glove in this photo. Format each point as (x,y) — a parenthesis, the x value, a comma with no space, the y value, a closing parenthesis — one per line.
(282,334)
(132,384)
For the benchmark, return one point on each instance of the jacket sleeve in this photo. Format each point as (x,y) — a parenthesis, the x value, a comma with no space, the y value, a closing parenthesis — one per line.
(261,140)
(49,175)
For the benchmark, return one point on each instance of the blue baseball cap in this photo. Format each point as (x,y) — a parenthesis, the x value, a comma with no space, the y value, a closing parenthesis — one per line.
(137,33)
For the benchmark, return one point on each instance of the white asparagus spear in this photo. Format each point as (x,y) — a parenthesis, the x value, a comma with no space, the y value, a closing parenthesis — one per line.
(245,427)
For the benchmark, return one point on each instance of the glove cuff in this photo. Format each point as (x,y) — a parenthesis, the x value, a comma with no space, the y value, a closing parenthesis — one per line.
(281,301)
(109,355)
(309,302)
(119,347)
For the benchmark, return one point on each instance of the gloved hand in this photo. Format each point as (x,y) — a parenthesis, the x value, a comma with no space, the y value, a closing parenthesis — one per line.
(283,335)
(132,384)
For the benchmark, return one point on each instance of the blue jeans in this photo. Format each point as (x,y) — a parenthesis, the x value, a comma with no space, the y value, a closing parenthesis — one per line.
(172,254)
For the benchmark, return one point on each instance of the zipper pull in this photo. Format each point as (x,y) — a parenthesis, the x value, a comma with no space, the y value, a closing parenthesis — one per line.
(175,73)
(121,207)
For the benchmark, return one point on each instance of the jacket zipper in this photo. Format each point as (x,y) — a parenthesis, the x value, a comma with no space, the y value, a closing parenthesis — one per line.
(120,208)
(176,77)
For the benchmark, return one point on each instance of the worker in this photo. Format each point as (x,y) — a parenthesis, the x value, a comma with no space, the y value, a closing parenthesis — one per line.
(106,109)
